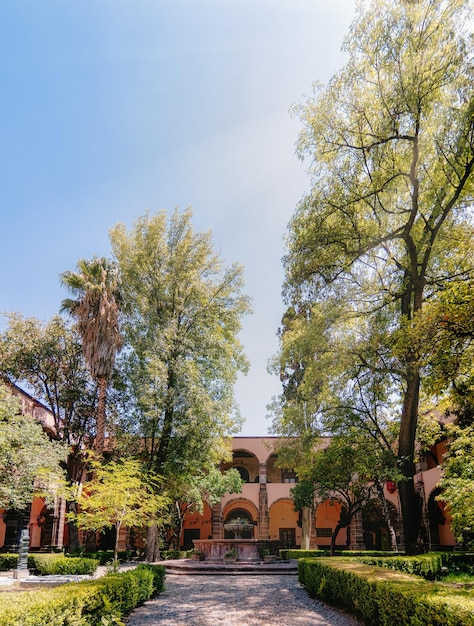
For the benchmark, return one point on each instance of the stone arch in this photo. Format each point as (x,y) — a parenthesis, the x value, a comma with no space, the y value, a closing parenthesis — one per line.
(375,527)
(246,464)
(243,508)
(326,517)
(439,521)
(284,522)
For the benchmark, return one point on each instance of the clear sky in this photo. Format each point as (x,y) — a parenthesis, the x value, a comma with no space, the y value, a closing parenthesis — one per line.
(112,107)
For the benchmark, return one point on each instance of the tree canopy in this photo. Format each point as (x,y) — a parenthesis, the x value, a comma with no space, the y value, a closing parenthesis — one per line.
(387,221)
(182,310)
(96,309)
(29,461)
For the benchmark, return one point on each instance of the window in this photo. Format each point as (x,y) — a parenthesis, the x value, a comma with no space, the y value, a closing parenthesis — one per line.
(323,532)
(288,476)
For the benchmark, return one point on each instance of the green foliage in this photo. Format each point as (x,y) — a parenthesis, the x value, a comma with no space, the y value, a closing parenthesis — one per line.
(119,494)
(386,224)
(182,311)
(181,320)
(103,556)
(46,564)
(457,481)
(8,561)
(85,603)
(426,565)
(385,598)
(29,461)
(48,357)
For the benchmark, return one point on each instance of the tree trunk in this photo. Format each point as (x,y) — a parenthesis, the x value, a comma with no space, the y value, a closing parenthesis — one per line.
(152,552)
(306,527)
(406,454)
(100,434)
(333,539)
(386,514)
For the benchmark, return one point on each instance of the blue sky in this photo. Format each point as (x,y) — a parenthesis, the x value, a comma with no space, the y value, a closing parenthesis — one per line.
(112,107)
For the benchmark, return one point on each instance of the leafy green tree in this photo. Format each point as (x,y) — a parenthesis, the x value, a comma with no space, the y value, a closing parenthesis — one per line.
(47,358)
(29,461)
(181,319)
(457,481)
(445,333)
(118,495)
(207,487)
(96,309)
(387,220)
(351,473)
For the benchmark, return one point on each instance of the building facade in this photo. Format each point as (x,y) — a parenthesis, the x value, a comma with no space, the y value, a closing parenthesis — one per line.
(265,501)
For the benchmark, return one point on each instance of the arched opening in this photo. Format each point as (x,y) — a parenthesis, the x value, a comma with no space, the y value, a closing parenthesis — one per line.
(246,464)
(375,526)
(283,526)
(238,514)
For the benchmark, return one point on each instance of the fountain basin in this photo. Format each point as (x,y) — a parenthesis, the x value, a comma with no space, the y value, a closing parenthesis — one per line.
(246,550)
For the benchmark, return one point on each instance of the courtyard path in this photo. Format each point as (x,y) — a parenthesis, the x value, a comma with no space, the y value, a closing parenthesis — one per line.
(213,600)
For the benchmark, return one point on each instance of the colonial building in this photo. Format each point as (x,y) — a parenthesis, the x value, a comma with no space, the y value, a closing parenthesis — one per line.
(265,501)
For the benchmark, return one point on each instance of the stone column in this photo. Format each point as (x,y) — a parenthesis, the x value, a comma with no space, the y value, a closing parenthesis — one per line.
(217,525)
(357,532)
(61,523)
(263,514)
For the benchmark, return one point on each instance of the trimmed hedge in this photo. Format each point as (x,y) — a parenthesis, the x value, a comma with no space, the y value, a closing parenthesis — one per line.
(85,603)
(429,566)
(103,556)
(8,561)
(383,598)
(59,564)
(311,554)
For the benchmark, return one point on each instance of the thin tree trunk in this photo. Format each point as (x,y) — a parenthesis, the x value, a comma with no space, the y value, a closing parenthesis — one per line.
(152,552)
(305,527)
(386,514)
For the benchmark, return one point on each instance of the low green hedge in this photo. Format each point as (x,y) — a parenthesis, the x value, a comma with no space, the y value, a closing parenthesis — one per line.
(310,554)
(103,556)
(85,603)
(59,564)
(430,566)
(385,598)
(8,561)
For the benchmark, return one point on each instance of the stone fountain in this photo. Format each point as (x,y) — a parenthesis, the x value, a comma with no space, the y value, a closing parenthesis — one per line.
(239,549)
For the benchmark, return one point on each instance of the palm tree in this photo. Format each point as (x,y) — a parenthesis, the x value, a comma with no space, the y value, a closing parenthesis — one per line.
(96,309)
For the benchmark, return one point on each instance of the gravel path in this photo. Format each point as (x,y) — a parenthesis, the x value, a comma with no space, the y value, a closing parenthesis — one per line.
(236,601)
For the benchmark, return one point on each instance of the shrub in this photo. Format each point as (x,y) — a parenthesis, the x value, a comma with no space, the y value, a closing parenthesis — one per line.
(385,598)
(85,603)
(60,564)
(103,556)
(8,561)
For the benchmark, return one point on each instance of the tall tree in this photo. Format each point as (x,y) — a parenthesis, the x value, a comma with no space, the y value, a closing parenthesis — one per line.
(387,220)
(96,309)
(182,316)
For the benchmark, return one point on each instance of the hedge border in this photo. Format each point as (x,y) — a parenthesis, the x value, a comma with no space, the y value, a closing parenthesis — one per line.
(385,598)
(84,603)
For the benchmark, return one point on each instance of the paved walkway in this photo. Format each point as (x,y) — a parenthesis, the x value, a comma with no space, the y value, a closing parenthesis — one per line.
(236,601)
